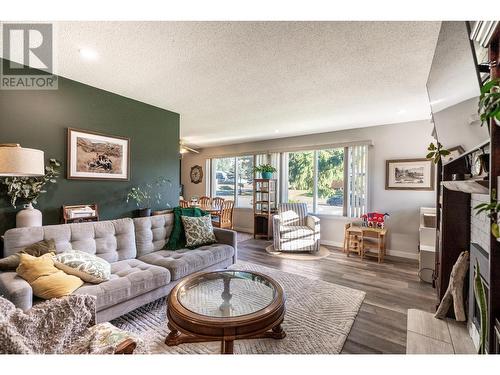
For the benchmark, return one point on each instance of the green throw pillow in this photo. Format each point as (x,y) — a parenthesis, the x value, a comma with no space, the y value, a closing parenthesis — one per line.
(198,230)
(37,249)
(177,239)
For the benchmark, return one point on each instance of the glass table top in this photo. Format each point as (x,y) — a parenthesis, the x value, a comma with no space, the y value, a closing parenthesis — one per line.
(227,294)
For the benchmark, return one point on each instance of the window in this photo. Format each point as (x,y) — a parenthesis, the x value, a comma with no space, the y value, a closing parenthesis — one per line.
(232,178)
(223,179)
(244,185)
(301,178)
(331,181)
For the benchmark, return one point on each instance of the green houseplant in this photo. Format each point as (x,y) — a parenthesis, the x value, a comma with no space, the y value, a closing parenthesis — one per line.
(480,296)
(147,194)
(266,170)
(436,151)
(489,102)
(28,190)
(491,210)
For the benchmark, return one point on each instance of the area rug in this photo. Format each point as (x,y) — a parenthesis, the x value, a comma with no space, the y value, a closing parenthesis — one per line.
(319,317)
(322,253)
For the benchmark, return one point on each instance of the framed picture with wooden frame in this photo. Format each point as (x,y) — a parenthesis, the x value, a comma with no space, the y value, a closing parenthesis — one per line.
(455,152)
(409,174)
(97,156)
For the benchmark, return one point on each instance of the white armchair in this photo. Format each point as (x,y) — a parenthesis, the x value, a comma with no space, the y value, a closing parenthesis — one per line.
(294,230)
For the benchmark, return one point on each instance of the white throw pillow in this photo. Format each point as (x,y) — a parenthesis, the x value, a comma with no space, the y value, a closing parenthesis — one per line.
(87,267)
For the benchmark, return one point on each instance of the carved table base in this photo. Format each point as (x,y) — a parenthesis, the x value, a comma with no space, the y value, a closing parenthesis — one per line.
(188,326)
(175,338)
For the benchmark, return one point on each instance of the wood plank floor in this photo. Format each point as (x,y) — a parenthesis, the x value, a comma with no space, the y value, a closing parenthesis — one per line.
(391,289)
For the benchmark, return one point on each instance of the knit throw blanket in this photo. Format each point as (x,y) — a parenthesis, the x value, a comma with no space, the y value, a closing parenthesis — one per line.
(49,327)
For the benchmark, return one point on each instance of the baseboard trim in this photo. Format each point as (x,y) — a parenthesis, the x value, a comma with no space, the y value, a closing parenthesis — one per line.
(244,230)
(332,243)
(394,253)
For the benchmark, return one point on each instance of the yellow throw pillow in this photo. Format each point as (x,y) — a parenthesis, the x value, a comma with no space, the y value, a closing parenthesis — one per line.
(45,279)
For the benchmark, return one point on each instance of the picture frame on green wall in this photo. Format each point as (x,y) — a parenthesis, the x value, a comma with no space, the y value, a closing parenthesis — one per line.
(97,156)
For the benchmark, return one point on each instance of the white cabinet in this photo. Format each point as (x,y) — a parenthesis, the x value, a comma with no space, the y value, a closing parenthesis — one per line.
(427,243)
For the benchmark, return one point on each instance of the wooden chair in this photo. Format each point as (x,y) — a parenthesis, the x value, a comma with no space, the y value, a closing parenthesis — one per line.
(204,201)
(218,202)
(353,242)
(183,203)
(224,219)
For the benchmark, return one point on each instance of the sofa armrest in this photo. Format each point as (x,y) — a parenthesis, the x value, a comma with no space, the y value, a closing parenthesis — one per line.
(227,237)
(313,222)
(16,290)
(276,231)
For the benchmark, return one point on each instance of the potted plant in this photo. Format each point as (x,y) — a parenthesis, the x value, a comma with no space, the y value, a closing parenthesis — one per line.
(266,170)
(146,195)
(489,102)
(491,209)
(436,152)
(28,190)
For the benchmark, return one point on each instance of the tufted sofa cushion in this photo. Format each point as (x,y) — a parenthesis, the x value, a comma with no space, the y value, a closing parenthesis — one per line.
(152,233)
(129,278)
(184,262)
(112,240)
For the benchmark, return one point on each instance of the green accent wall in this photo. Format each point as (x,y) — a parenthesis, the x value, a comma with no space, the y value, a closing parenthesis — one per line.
(39,119)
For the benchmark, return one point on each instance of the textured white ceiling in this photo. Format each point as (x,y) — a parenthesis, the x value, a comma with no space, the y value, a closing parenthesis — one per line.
(240,81)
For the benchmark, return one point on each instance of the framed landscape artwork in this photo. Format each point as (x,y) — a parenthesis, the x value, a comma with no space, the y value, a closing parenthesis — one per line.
(96,156)
(409,174)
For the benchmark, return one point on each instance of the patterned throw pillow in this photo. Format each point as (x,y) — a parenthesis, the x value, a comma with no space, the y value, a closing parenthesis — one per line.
(198,230)
(86,266)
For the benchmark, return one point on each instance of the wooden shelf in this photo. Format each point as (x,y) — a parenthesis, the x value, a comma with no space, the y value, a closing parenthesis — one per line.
(264,206)
(468,186)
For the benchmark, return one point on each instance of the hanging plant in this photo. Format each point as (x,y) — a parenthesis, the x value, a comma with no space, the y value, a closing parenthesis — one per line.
(489,102)
(491,210)
(436,152)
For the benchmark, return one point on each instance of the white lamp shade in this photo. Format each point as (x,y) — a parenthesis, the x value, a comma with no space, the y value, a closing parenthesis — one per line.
(18,161)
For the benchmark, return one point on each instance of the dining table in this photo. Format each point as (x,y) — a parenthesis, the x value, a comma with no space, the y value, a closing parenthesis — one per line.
(213,210)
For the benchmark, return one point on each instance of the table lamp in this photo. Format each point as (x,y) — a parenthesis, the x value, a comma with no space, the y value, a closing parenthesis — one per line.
(16,161)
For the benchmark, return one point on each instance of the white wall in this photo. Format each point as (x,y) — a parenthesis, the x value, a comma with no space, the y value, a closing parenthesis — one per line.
(396,141)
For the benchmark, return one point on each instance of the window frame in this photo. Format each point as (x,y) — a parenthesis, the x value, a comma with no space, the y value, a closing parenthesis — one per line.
(283,175)
(213,191)
(345,163)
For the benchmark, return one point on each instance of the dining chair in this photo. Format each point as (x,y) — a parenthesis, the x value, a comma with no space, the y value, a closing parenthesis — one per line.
(204,201)
(217,202)
(224,219)
(183,203)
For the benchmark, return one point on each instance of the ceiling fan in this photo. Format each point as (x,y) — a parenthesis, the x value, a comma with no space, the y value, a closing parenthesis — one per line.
(185,149)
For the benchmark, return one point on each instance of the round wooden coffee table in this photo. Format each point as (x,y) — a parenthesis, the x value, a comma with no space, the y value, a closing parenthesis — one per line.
(225,306)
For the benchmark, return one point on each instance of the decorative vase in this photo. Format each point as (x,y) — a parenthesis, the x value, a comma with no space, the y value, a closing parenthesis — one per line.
(267,175)
(29,217)
(144,212)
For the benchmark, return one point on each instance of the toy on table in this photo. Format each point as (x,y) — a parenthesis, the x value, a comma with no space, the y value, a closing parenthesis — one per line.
(374,220)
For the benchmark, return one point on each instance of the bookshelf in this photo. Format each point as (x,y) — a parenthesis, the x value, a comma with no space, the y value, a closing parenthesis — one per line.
(264,207)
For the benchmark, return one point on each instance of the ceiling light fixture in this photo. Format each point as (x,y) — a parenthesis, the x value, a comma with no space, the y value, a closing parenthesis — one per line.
(88,54)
